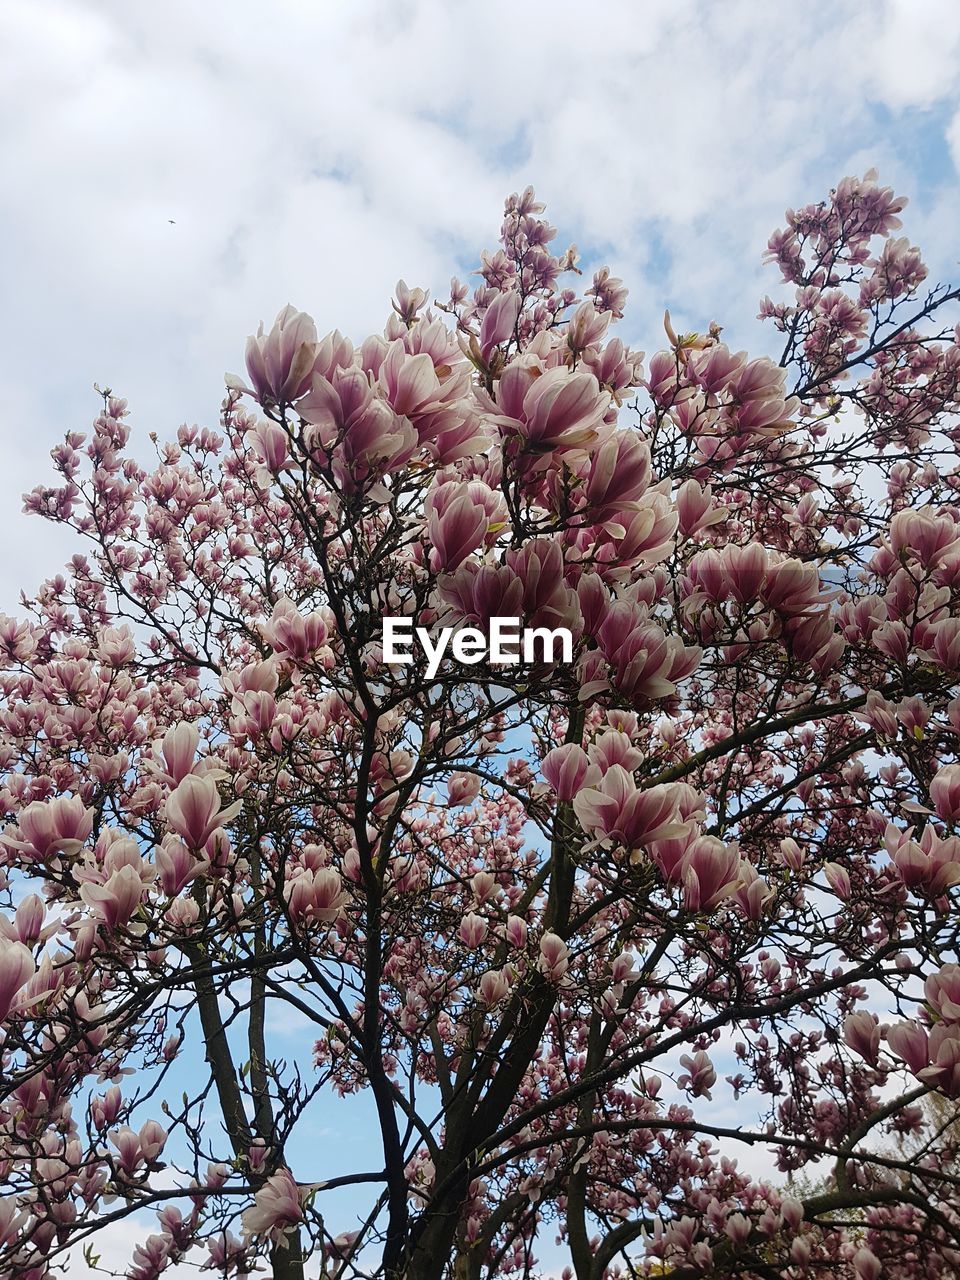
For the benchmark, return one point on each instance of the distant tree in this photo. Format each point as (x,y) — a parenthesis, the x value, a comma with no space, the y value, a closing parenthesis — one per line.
(526,908)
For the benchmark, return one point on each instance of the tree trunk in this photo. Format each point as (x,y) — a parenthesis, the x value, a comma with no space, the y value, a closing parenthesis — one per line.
(287,1260)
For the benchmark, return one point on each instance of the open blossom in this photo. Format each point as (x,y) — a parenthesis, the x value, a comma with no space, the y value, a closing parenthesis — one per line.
(623,813)
(295,633)
(177,865)
(930,865)
(276,1208)
(925,536)
(696,509)
(57,826)
(363,433)
(116,645)
(141,1148)
(943,1073)
(456,526)
(710,872)
(117,899)
(699,1076)
(316,897)
(280,363)
(194,813)
(557,410)
(618,476)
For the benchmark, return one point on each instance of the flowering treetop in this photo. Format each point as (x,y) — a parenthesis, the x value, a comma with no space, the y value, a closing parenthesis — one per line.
(530,910)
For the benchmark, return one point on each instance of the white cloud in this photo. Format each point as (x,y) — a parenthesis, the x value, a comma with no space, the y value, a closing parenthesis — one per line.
(317,153)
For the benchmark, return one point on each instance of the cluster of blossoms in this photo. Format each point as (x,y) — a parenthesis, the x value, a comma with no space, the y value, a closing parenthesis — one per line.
(543,914)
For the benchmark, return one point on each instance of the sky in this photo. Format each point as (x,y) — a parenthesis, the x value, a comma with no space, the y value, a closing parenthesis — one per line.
(175,173)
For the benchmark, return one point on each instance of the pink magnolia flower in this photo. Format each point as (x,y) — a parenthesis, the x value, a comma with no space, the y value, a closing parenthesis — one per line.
(930,865)
(516,931)
(272,444)
(923,535)
(754,894)
(408,302)
(457,523)
(280,364)
(136,1149)
(295,633)
(499,321)
(13,1220)
(411,384)
(758,404)
(642,661)
(614,746)
(151,1257)
(276,1208)
(462,789)
(484,886)
(193,810)
(909,1041)
(587,326)
(17,967)
(945,792)
(179,751)
(558,409)
(494,987)
(554,957)
(699,1076)
(364,434)
(58,826)
(867,1265)
(116,646)
(668,853)
(227,1253)
(943,643)
(318,896)
(880,715)
(696,510)
(838,879)
(177,865)
(791,855)
(617,476)
(710,871)
(567,769)
(27,924)
(862,1034)
(473,929)
(943,1073)
(617,810)
(117,899)
(942,990)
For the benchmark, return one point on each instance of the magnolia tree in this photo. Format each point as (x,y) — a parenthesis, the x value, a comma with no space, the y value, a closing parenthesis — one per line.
(534,912)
